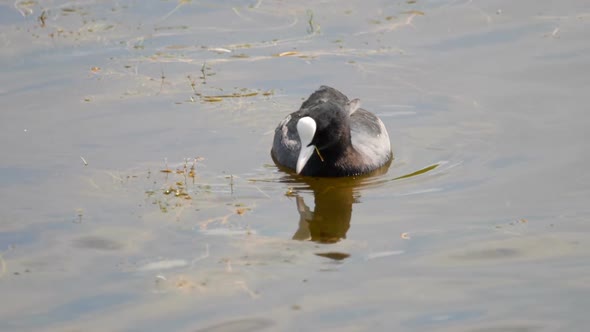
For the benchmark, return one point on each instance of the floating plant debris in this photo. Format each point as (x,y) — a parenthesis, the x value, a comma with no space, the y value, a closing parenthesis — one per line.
(414,12)
(218,98)
(418,172)
(288,53)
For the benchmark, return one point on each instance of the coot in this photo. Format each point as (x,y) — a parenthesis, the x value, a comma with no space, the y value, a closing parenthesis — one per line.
(331,136)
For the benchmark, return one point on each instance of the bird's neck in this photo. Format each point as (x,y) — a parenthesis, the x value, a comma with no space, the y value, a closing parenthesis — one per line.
(341,157)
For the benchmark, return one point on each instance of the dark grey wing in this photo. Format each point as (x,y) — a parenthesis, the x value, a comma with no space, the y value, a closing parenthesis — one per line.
(370,138)
(286,143)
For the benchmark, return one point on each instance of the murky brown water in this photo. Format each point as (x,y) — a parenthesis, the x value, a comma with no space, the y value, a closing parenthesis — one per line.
(488,99)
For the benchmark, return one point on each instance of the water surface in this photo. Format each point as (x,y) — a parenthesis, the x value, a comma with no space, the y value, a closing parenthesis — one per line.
(137,184)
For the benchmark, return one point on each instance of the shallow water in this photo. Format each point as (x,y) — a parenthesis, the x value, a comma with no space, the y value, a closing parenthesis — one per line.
(484,104)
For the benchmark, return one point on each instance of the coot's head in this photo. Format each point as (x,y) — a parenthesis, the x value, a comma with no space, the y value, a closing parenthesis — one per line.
(325,126)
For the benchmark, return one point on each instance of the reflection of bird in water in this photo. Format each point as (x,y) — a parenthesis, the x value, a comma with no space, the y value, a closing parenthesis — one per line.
(330,220)
(331,136)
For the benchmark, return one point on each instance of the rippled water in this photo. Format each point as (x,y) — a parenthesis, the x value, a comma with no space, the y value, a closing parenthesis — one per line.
(138,192)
